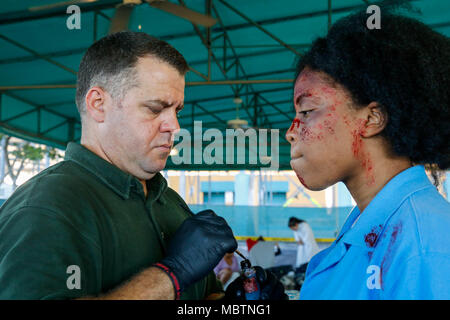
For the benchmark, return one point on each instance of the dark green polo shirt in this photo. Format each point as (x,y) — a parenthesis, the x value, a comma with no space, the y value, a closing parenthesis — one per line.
(82,227)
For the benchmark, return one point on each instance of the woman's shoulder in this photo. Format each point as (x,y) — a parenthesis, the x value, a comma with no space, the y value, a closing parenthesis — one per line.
(426,218)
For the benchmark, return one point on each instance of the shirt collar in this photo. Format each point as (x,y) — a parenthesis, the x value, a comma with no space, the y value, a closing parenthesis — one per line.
(117,180)
(374,218)
(156,187)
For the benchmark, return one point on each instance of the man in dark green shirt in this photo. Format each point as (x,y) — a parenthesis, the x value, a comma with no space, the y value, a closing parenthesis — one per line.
(103,224)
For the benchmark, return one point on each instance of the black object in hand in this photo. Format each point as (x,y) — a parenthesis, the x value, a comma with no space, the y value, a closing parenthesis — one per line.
(270,287)
(197,247)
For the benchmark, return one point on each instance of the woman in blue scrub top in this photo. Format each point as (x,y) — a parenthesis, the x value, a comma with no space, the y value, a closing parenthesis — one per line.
(373,111)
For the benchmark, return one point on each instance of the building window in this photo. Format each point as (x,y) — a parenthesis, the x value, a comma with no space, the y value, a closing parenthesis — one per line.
(218,192)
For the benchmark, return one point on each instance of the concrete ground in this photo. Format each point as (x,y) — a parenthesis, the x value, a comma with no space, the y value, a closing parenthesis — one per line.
(288,254)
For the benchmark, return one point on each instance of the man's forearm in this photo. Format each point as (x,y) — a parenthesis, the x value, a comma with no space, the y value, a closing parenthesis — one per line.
(150,284)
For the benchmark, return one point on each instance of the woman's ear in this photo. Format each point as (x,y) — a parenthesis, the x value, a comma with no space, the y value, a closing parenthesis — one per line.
(376,120)
(95,100)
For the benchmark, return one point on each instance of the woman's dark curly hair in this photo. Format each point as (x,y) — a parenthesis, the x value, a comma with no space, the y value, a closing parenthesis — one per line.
(405,67)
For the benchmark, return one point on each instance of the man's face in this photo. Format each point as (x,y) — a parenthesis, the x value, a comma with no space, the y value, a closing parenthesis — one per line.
(325,133)
(138,131)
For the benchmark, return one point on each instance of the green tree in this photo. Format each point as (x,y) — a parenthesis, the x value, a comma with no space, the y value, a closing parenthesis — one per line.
(17,154)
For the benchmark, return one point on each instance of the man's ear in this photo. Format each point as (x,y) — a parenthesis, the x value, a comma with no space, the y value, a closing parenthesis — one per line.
(95,100)
(376,120)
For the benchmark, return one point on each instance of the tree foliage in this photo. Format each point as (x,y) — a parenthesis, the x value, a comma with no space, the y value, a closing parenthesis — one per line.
(19,153)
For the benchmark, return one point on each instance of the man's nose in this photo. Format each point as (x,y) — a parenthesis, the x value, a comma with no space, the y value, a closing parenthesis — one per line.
(170,123)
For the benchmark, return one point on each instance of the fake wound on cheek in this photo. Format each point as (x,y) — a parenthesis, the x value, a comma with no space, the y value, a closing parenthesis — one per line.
(326,125)
(298,127)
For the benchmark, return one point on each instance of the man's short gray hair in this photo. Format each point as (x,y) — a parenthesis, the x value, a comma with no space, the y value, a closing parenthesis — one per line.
(110,63)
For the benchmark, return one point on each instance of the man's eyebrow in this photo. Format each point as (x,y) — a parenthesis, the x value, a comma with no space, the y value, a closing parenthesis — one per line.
(163,103)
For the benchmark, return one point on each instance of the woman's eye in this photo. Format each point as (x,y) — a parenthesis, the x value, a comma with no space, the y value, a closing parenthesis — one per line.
(305,113)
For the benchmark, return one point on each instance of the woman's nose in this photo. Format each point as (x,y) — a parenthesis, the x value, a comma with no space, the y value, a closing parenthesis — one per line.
(291,134)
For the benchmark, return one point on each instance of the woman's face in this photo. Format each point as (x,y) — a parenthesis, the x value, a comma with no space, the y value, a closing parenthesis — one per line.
(325,136)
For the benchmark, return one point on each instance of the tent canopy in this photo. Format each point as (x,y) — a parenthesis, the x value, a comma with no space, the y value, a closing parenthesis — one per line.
(253,48)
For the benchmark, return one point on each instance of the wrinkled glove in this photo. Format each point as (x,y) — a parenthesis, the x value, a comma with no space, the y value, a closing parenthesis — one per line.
(196,248)
(269,286)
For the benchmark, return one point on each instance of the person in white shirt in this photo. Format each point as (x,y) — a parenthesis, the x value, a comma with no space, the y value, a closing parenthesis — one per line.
(304,236)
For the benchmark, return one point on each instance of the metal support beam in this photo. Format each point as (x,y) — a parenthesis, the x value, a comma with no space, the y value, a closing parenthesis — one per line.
(236,63)
(269,73)
(257,106)
(208,112)
(276,108)
(213,56)
(243,94)
(54,127)
(37,87)
(55,54)
(20,115)
(260,28)
(237,60)
(255,109)
(38,55)
(11,130)
(263,45)
(29,14)
(40,106)
(189,83)
(208,37)
(201,75)
(245,55)
(233,82)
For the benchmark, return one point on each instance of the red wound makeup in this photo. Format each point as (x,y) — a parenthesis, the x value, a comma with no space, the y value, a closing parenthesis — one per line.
(360,154)
(295,124)
(301,180)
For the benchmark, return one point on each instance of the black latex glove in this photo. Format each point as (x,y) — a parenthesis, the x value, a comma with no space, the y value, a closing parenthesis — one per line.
(196,248)
(270,287)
